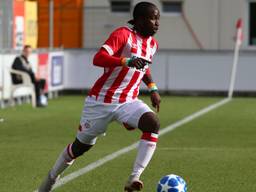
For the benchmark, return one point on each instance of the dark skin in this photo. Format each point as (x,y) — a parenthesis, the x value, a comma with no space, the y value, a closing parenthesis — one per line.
(149,122)
(148,26)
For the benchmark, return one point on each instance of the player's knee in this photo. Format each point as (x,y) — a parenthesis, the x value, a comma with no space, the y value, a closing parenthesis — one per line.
(149,122)
(156,125)
(79,148)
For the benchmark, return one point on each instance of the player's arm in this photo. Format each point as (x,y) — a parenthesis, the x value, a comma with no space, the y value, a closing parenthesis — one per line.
(106,56)
(154,95)
(104,59)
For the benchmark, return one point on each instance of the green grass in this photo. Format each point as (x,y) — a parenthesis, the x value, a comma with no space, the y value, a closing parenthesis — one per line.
(214,153)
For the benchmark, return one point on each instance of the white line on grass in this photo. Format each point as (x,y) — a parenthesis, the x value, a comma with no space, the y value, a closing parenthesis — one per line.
(193,116)
(125,150)
(205,149)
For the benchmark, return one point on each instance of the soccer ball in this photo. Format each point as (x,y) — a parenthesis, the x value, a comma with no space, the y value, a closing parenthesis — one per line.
(171,183)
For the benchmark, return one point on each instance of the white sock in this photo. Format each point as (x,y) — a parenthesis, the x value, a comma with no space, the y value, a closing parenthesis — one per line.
(146,150)
(63,162)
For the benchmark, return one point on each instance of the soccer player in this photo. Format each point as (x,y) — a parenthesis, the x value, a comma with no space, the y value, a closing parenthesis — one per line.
(125,57)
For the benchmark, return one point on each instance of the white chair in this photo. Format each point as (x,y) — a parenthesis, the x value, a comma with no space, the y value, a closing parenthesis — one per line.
(26,83)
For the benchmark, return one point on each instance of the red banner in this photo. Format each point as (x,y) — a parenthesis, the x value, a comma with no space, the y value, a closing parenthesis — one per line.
(42,70)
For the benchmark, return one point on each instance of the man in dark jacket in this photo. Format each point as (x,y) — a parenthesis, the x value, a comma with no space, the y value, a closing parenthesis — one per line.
(21,63)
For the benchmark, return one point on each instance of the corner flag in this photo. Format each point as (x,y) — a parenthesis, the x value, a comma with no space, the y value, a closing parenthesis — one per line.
(239,40)
(239,34)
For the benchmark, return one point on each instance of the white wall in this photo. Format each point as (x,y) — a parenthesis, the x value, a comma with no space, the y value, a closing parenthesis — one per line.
(173,71)
(212,21)
(79,72)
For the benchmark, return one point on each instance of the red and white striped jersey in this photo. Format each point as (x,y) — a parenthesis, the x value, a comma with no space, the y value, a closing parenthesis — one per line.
(120,84)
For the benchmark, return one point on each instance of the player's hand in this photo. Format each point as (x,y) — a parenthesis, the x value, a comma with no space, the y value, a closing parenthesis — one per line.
(138,63)
(156,100)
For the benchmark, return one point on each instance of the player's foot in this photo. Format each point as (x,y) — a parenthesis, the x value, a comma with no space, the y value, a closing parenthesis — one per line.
(133,185)
(47,184)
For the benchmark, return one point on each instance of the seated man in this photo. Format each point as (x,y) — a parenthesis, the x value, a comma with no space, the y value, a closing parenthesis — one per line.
(21,63)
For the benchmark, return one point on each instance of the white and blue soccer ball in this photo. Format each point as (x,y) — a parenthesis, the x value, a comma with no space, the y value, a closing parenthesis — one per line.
(172,183)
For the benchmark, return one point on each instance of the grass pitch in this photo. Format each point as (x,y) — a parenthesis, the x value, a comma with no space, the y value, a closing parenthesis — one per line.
(214,153)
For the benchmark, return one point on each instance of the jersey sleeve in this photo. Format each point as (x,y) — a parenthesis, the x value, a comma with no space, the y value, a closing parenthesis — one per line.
(116,40)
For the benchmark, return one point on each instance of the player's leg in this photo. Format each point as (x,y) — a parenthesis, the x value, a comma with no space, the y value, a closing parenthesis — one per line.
(65,159)
(149,125)
(94,121)
(138,114)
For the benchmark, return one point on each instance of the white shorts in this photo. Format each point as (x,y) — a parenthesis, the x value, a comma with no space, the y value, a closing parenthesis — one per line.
(97,115)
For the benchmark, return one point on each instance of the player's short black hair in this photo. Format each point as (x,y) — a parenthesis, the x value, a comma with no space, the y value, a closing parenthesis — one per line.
(140,10)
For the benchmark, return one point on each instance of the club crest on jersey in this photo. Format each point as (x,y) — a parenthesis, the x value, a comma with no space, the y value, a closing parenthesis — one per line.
(87,124)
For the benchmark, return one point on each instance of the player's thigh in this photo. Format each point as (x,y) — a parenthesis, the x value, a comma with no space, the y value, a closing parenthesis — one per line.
(94,121)
(130,113)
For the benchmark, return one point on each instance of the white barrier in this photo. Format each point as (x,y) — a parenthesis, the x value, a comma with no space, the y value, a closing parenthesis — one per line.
(47,65)
(1,77)
(173,70)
